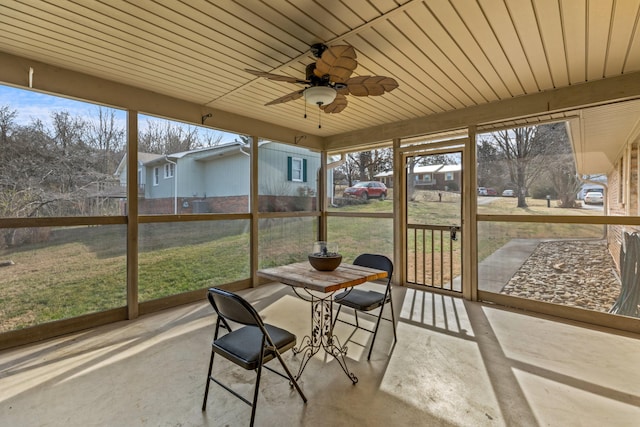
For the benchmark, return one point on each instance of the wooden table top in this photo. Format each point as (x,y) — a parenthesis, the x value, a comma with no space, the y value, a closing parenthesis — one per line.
(303,275)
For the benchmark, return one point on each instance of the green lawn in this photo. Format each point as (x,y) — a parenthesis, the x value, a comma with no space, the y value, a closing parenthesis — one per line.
(80,270)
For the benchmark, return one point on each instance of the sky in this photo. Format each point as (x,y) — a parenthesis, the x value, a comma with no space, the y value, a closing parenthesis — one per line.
(31,105)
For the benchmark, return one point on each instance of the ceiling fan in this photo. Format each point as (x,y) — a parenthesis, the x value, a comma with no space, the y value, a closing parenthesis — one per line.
(329,80)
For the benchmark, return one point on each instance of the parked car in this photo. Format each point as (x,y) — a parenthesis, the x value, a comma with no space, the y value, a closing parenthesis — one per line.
(593,198)
(491,192)
(508,193)
(367,190)
(482,191)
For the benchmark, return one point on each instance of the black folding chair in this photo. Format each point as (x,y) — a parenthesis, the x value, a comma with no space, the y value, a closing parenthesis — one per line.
(250,346)
(361,300)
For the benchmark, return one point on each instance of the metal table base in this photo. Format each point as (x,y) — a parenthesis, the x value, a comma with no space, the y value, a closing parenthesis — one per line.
(321,334)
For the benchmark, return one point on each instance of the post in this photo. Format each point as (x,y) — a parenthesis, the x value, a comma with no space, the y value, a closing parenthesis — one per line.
(175,184)
(132,214)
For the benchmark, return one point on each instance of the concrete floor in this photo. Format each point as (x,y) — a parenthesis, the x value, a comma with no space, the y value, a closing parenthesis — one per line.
(456,363)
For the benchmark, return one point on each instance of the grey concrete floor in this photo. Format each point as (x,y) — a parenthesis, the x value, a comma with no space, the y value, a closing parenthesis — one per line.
(456,363)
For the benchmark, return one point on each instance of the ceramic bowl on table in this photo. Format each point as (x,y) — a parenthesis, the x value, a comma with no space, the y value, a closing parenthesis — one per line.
(325,263)
(325,256)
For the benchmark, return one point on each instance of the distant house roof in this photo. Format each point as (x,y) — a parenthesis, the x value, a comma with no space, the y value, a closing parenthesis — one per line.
(204,150)
(142,159)
(426,169)
(201,154)
(450,168)
(146,157)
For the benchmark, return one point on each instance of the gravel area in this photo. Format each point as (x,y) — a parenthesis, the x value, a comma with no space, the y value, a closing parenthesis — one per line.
(577,273)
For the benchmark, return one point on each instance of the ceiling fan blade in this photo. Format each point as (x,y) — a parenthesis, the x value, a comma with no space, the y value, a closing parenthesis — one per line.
(370,85)
(338,104)
(342,89)
(338,62)
(289,97)
(276,77)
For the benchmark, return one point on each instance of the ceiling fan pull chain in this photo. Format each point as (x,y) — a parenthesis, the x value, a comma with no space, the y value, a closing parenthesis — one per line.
(305,105)
(319,117)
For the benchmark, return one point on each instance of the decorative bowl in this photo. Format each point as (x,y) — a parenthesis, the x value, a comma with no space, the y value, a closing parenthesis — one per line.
(325,262)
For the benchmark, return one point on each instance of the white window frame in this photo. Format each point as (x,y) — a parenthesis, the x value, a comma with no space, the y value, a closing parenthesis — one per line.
(297,165)
(156,176)
(448,176)
(169,170)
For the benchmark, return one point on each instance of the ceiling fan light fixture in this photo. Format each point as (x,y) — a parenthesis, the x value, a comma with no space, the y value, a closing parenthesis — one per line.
(320,95)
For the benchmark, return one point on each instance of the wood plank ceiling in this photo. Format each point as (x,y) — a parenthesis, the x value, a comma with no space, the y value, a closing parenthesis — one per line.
(445,54)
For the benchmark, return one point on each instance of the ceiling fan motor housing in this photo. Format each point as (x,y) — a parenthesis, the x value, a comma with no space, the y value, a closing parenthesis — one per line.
(313,79)
(317,49)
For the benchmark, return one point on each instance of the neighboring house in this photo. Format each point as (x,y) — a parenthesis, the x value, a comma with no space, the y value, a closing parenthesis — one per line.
(430,177)
(121,171)
(448,177)
(217,179)
(386,178)
(424,176)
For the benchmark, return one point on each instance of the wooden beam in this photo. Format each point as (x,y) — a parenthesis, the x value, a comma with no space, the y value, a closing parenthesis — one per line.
(469,223)
(255,213)
(322,197)
(132,215)
(399,214)
(598,92)
(83,87)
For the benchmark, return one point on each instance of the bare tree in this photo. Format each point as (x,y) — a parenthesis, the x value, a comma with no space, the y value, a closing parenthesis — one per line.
(53,170)
(364,165)
(7,117)
(528,152)
(491,173)
(559,162)
(67,130)
(107,137)
(521,157)
(169,137)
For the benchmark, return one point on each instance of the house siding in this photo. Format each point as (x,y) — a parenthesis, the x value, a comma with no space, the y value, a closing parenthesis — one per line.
(220,183)
(619,183)
(272,170)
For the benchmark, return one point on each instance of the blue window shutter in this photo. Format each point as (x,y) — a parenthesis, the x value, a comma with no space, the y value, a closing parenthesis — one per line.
(289,161)
(304,170)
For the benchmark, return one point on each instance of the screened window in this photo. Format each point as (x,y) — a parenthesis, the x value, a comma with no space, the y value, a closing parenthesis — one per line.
(287,178)
(66,161)
(194,169)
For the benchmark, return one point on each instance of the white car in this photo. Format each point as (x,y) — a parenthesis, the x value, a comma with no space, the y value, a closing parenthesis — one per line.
(593,198)
(508,193)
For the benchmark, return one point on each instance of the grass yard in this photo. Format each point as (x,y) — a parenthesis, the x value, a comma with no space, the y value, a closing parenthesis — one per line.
(81,270)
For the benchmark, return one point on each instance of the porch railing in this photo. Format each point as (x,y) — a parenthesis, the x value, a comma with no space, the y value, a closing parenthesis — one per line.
(434,256)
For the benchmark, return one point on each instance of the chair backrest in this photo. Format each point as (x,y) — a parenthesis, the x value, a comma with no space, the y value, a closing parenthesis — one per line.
(379,262)
(233,307)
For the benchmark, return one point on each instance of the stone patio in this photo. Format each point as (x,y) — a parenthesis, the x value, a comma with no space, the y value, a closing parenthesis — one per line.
(578,273)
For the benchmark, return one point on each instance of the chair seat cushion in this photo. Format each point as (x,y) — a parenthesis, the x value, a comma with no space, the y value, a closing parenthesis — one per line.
(360,299)
(242,346)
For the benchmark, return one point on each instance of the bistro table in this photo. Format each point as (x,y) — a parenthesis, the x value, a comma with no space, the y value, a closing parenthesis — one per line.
(318,288)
